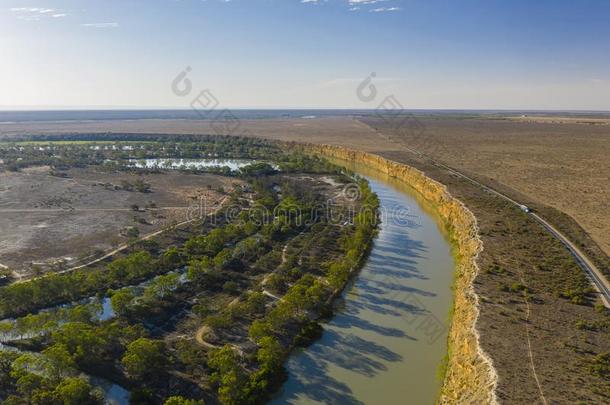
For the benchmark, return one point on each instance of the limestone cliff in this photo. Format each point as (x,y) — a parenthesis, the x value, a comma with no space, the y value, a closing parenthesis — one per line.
(470,376)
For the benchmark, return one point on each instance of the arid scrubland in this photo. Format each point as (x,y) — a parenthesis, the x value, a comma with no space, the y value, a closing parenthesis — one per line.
(537,321)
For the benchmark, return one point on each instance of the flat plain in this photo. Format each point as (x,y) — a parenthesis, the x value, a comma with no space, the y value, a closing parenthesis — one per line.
(545,333)
(50,222)
(558,162)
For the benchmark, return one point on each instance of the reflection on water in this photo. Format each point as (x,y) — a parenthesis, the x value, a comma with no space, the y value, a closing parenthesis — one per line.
(107,312)
(196,164)
(114,394)
(388,337)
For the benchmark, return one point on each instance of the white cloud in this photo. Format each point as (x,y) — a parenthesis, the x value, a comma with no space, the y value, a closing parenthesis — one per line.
(101,25)
(384,9)
(36,13)
(354,2)
(359,5)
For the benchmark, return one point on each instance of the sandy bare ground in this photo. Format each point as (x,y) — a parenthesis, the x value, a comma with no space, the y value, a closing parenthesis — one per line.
(124,246)
(46,220)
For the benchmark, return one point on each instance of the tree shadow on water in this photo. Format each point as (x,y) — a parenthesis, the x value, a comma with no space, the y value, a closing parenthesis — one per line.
(384,268)
(309,372)
(357,306)
(398,305)
(378,258)
(346,321)
(347,351)
(391,302)
(309,378)
(409,248)
(385,286)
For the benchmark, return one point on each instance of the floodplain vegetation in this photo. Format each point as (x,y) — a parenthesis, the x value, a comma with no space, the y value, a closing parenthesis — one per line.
(202,313)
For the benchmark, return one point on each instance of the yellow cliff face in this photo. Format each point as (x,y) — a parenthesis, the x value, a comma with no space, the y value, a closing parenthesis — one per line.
(470,376)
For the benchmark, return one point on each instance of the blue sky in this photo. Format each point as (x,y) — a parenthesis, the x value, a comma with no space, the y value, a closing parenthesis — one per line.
(292,53)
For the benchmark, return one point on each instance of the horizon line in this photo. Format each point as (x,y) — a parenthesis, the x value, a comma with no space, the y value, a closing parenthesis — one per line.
(346,109)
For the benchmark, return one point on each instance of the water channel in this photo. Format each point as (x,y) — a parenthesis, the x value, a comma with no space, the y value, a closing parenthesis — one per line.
(388,337)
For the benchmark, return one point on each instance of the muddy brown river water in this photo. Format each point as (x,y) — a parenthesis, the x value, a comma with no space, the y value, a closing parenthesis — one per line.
(387,339)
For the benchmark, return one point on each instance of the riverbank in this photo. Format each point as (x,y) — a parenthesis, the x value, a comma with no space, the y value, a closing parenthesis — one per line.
(469,374)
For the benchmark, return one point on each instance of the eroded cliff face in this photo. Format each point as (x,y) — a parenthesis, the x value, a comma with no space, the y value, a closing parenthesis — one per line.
(470,376)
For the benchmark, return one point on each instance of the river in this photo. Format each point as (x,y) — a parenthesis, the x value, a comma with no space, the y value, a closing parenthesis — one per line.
(388,336)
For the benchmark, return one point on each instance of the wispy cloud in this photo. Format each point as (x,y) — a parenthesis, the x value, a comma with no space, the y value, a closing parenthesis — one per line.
(101,25)
(36,13)
(359,5)
(39,13)
(384,9)
(354,2)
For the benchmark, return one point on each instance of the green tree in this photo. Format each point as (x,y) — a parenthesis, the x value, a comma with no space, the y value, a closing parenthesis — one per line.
(144,358)
(258,330)
(6,361)
(256,303)
(181,401)
(258,169)
(228,374)
(27,383)
(76,391)
(172,256)
(121,301)
(141,186)
(270,353)
(84,342)
(60,363)
(223,258)
(276,283)
(142,396)
(195,246)
(162,285)
(199,268)
(136,265)
(215,241)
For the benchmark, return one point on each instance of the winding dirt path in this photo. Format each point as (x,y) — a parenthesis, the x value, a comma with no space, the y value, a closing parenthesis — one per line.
(530,353)
(204,330)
